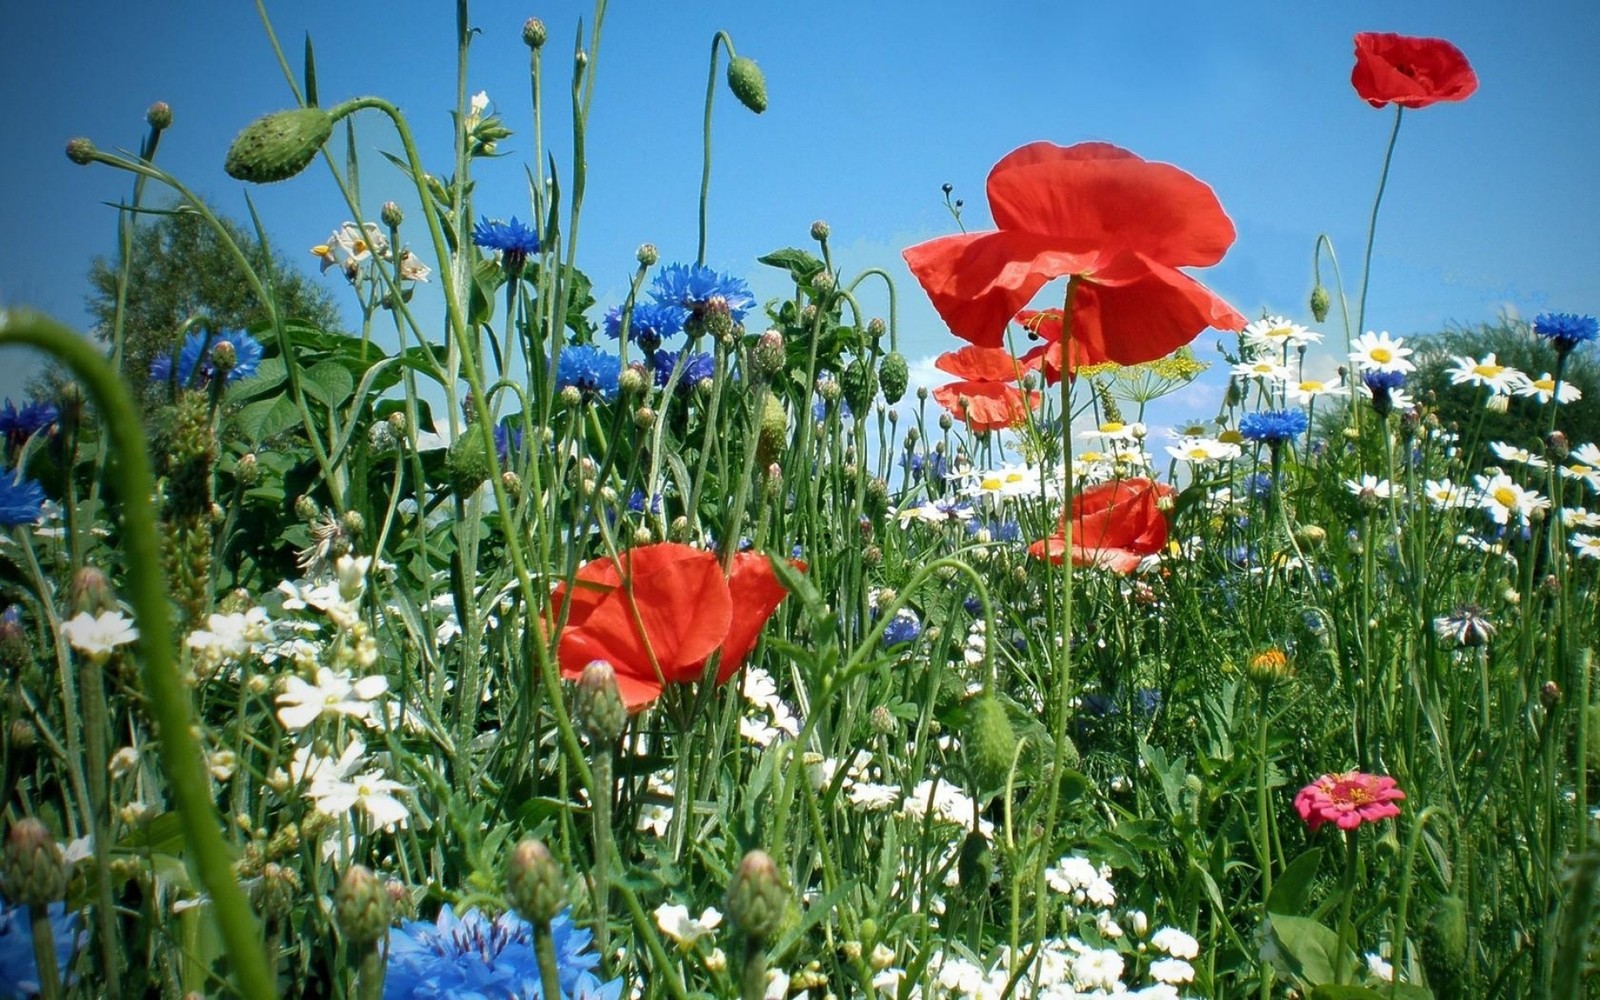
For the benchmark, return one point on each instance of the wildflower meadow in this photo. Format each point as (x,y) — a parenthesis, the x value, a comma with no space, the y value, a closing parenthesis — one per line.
(517,644)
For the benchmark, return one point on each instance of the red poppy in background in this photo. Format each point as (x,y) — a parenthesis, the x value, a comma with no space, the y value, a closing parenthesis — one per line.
(1121,224)
(1115,526)
(1046,358)
(1411,72)
(987,397)
(663,628)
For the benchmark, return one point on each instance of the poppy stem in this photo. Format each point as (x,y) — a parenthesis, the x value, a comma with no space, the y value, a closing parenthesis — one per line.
(720,38)
(1372,223)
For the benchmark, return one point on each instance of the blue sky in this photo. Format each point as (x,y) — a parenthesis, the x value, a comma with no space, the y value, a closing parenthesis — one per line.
(873,106)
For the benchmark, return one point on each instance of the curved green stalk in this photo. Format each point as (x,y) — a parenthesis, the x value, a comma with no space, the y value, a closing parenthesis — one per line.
(1372,223)
(168,698)
(720,38)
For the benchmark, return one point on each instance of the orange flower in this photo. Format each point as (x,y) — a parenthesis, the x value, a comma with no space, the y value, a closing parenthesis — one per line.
(1121,224)
(1411,72)
(987,397)
(659,612)
(1115,526)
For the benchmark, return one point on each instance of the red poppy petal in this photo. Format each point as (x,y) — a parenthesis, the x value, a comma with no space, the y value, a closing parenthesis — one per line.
(1120,561)
(757,593)
(1135,310)
(1053,548)
(978,281)
(980,364)
(1412,72)
(636,692)
(676,612)
(985,406)
(1101,197)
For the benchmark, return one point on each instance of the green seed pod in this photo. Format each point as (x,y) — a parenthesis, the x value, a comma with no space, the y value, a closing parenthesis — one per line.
(991,744)
(859,384)
(278,146)
(1444,948)
(467,463)
(80,151)
(1319,303)
(599,704)
(757,897)
(774,431)
(35,873)
(975,863)
(534,884)
(747,83)
(361,907)
(893,374)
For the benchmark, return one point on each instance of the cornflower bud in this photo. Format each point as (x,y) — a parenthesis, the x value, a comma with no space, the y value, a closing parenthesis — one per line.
(159,115)
(647,254)
(534,884)
(34,873)
(391,215)
(533,33)
(768,356)
(599,704)
(819,230)
(80,151)
(757,899)
(361,907)
(644,418)
(632,380)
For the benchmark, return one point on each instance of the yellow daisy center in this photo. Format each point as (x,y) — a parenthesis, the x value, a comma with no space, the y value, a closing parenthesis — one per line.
(1382,355)
(1489,371)
(1505,496)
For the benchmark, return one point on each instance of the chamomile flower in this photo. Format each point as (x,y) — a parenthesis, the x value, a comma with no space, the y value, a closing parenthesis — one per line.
(1278,332)
(1378,352)
(1116,432)
(1511,453)
(1588,546)
(1579,517)
(1544,389)
(1265,369)
(1504,498)
(1442,494)
(1383,489)
(1487,372)
(1200,450)
(1311,389)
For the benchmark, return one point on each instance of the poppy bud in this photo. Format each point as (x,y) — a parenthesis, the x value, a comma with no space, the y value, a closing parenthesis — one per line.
(774,431)
(159,115)
(858,384)
(533,33)
(991,744)
(278,146)
(466,464)
(599,704)
(893,374)
(35,873)
(80,151)
(747,83)
(1444,946)
(975,863)
(1319,303)
(361,907)
(534,884)
(757,899)
(647,254)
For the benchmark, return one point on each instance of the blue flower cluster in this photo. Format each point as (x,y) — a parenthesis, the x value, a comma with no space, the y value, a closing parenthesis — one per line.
(507,443)
(931,464)
(1382,385)
(513,240)
(695,288)
(19,974)
(1566,330)
(1273,427)
(473,956)
(650,324)
(590,370)
(904,627)
(21,500)
(195,368)
(19,425)
(696,367)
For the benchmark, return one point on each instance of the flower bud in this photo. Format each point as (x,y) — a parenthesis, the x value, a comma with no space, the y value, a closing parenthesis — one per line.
(1550,694)
(278,146)
(858,384)
(34,873)
(1319,303)
(224,357)
(91,592)
(572,396)
(466,464)
(768,356)
(390,215)
(975,863)
(1557,445)
(991,743)
(534,884)
(80,151)
(774,431)
(883,721)
(893,374)
(757,899)
(819,230)
(1269,668)
(599,704)
(159,115)
(361,907)
(747,83)
(632,380)
(644,418)
(533,33)
(647,254)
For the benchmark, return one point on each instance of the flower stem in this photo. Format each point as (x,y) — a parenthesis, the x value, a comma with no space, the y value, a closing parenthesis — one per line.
(1347,889)
(544,947)
(720,38)
(44,952)
(1372,223)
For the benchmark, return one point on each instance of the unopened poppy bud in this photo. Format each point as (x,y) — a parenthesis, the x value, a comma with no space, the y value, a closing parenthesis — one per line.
(975,862)
(747,83)
(159,115)
(23,735)
(774,431)
(991,743)
(1319,302)
(391,215)
(768,356)
(80,151)
(534,884)
(598,703)
(466,464)
(819,230)
(533,33)
(756,898)
(858,383)
(34,873)
(647,254)
(278,146)
(361,907)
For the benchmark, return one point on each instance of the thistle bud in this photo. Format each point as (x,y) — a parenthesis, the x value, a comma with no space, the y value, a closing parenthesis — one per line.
(278,146)
(756,898)
(533,33)
(159,115)
(80,151)
(534,885)
(599,704)
(34,873)
(361,907)
(747,83)
(991,744)
(647,254)
(819,230)
(1319,303)
(391,215)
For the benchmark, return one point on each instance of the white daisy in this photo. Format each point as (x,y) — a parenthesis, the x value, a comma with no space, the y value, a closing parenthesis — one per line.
(1310,390)
(1442,494)
(1511,453)
(1266,369)
(1278,332)
(1544,389)
(1200,450)
(1504,499)
(1487,372)
(1378,352)
(1588,546)
(1381,488)
(1579,517)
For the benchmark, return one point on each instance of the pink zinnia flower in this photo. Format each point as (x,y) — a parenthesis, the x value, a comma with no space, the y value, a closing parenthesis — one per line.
(1348,800)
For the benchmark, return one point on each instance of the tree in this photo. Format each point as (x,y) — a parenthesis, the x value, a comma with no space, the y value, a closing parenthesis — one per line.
(181,268)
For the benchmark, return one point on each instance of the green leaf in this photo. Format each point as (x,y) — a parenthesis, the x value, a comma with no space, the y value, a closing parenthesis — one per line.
(328,382)
(1293,888)
(800,264)
(311,74)
(1329,991)
(1308,947)
(266,418)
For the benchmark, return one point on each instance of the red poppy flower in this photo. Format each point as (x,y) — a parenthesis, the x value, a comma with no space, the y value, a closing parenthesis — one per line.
(1114,526)
(662,628)
(1121,224)
(1411,72)
(987,397)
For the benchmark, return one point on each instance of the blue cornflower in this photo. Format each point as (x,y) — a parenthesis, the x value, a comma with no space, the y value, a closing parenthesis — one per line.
(696,289)
(514,240)
(19,425)
(904,627)
(999,531)
(819,411)
(21,500)
(1381,385)
(1566,330)
(193,358)
(1258,485)
(650,324)
(1273,427)
(19,975)
(931,464)
(507,443)
(696,368)
(473,956)
(637,505)
(589,370)
(973,606)
(1148,700)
